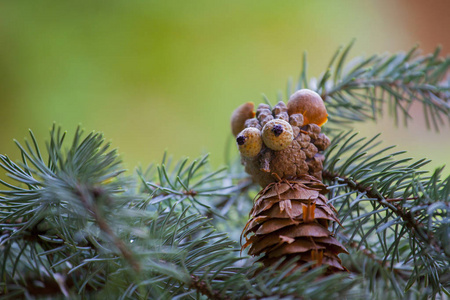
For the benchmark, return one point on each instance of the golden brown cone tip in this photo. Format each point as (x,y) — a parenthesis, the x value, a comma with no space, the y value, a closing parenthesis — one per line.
(310,104)
(240,115)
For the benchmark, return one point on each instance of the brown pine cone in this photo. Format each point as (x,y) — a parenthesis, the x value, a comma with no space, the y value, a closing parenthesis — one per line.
(291,218)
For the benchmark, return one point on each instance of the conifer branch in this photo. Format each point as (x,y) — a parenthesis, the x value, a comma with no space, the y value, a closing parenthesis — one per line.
(103,225)
(203,289)
(416,226)
(405,206)
(356,91)
(72,225)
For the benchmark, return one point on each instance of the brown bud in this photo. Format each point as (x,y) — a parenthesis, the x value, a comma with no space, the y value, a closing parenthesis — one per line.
(313,130)
(265,120)
(310,150)
(296,120)
(310,104)
(279,108)
(253,122)
(240,115)
(283,116)
(263,108)
(322,142)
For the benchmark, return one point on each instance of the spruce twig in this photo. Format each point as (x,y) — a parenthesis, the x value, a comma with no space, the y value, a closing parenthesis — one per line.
(390,200)
(417,228)
(103,225)
(356,91)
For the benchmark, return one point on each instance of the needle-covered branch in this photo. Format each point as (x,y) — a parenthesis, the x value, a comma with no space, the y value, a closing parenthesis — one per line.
(357,90)
(73,225)
(365,180)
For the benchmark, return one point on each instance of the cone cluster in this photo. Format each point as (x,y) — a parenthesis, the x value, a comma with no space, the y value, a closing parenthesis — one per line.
(301,157)
(290,218)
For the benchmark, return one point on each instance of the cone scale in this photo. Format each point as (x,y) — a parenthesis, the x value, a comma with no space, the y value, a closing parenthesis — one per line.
(291,215)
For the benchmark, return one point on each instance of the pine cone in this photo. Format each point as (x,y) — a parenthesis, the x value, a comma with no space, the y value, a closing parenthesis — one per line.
(290,218)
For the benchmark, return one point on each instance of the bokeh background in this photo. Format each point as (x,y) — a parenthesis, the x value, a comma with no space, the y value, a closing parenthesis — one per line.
(157,75)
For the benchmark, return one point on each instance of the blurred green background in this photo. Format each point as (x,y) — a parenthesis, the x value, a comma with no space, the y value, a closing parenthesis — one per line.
(156,75)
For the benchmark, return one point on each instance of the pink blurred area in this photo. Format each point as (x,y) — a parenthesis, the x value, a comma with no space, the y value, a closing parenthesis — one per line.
(428,22)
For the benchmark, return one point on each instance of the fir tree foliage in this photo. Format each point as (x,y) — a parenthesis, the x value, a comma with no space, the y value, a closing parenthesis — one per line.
(72,224)
(358,90)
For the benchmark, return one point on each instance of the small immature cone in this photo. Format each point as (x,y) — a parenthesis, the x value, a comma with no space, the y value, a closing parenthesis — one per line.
(302,157)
